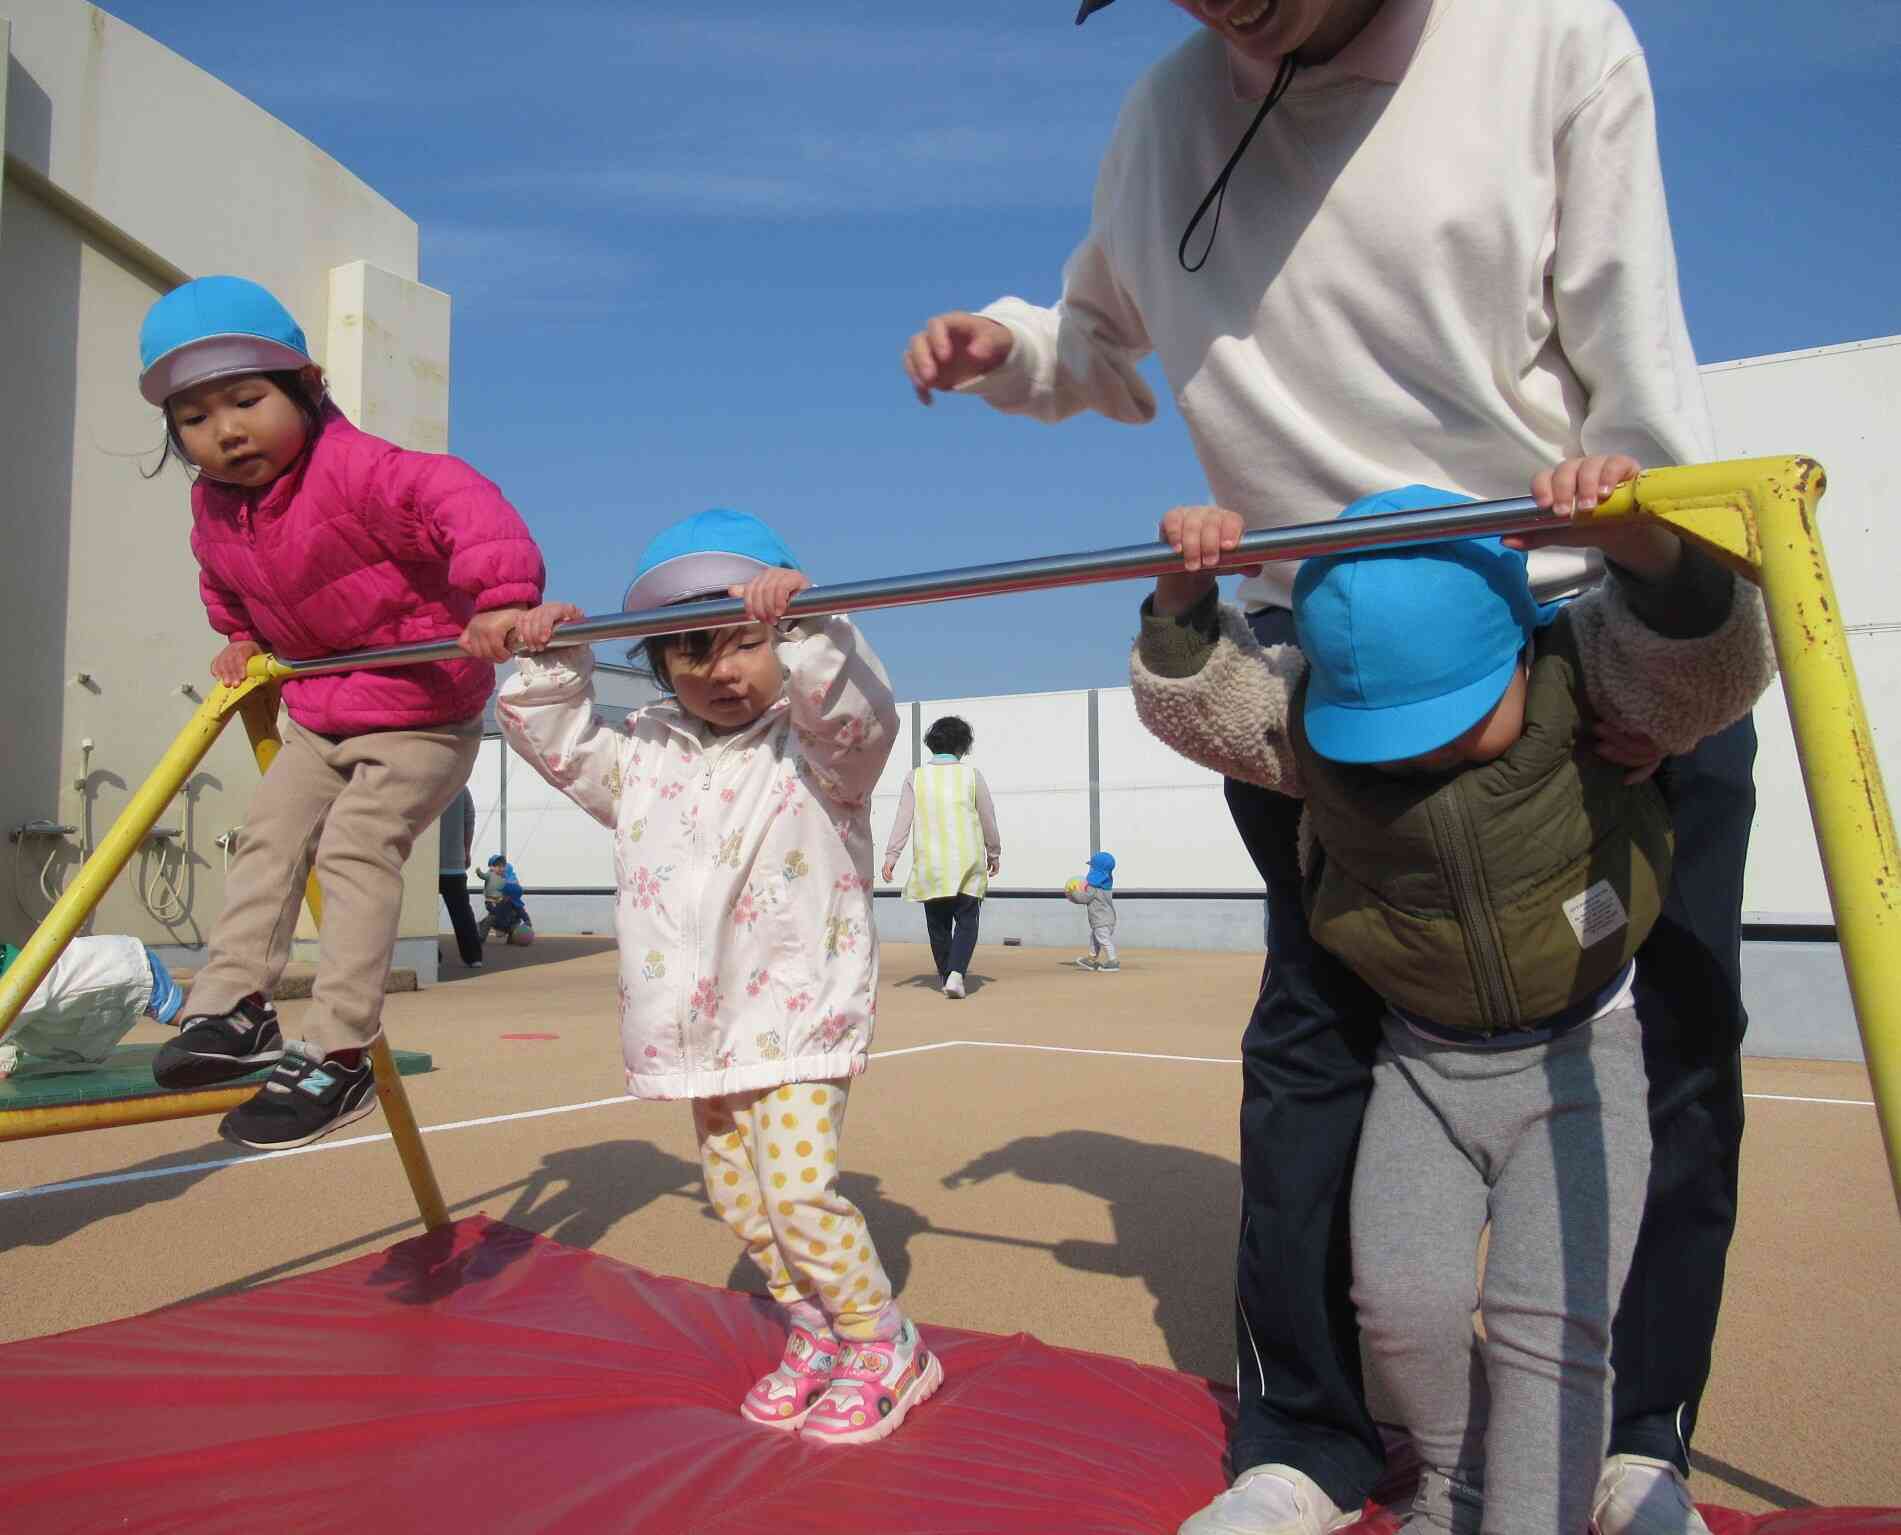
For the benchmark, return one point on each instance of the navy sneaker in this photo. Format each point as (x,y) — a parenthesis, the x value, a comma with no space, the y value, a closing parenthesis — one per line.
(301,1101)
(219,1047)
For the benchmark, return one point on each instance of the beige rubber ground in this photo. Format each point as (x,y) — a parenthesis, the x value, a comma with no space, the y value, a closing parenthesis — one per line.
(1087,1198)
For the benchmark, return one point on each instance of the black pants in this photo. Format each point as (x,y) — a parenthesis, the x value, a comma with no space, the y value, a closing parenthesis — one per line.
(1306,1060)
(455,895)
(951,921)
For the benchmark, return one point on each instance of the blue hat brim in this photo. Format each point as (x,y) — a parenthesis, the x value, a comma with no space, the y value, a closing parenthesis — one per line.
(1393,732)
(690,575)
(211,357)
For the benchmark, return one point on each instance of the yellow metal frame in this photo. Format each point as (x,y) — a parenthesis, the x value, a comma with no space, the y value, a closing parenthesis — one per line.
(255,701)
(1758,516)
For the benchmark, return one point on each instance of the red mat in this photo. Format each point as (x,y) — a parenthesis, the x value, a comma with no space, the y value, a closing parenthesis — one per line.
(486,1379)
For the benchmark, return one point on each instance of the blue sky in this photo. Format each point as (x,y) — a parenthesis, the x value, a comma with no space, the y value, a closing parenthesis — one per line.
(686,245)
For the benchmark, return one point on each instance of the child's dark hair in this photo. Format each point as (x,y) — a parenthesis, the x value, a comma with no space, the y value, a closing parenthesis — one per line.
(649,657)
(950,735)
(286,379)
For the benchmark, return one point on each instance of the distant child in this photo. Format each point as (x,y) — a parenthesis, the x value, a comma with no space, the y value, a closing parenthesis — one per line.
(507,912)
(313,538)
(1471,855)
(740,813)
(96,991)
(1095,889)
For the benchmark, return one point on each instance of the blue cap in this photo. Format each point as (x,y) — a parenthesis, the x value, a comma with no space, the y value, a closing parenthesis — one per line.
(706,552)
(1102,868)
(213,328)
(1408,647)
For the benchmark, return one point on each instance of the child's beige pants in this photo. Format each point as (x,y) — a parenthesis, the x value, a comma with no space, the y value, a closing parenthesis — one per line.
(352,808)
(771,1165)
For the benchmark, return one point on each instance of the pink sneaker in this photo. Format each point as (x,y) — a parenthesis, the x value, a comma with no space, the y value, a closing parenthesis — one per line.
(873,1386)
(782,1399)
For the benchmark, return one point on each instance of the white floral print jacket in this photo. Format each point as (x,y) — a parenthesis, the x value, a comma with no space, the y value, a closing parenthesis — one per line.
(748,957)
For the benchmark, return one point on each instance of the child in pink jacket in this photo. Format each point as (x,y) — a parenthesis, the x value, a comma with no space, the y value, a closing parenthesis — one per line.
(314,538)
(740,814)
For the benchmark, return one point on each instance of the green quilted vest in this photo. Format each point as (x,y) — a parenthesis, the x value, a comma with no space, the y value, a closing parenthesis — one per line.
(1500,895)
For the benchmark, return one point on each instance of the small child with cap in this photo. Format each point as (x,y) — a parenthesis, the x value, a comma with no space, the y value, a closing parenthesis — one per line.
(314,538)
(1095,889)
(740,807)
(1474,854)
(507,912)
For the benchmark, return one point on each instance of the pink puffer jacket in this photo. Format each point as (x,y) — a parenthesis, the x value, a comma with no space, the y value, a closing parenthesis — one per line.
(361,543)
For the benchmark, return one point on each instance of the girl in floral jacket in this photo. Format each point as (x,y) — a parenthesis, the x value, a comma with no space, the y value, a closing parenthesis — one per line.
(740,809)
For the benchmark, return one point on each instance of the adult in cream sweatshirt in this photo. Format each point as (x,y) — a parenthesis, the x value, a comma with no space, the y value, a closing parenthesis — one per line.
(1444,258)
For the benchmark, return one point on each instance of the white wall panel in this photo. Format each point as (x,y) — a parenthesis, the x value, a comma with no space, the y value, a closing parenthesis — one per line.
(1839,405)
(1162,816)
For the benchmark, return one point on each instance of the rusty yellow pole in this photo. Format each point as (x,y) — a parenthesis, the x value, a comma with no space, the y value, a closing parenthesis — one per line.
(117,847)
(255,699)
(1759,517)
(260,723)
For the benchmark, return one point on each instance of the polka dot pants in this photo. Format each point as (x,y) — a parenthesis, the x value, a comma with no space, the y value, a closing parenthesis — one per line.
(771,1165)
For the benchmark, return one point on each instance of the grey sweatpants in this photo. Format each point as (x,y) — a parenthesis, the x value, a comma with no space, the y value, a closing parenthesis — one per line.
(1550,1143)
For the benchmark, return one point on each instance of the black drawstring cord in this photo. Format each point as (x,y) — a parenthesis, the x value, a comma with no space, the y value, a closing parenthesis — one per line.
(1219,191)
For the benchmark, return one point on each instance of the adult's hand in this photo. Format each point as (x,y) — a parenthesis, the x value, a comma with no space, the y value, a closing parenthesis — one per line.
(953,349)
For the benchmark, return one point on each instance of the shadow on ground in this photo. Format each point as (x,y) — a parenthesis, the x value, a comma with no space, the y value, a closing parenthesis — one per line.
(927,981)
(499,958)
(1173,1212)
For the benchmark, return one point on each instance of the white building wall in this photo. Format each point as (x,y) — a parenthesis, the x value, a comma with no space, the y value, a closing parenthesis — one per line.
(96,575)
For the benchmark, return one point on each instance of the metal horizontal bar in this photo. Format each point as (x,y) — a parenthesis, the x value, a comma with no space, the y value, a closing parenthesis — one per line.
(1468,519)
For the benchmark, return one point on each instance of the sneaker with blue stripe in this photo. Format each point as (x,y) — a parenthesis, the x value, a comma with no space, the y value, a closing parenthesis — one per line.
(304,1099)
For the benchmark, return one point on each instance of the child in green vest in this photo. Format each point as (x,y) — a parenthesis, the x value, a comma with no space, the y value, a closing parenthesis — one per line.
(1483,846)
(98,988)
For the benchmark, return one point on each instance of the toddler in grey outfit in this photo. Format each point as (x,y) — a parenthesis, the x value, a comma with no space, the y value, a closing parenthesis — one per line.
(1472,852)
(1095,889)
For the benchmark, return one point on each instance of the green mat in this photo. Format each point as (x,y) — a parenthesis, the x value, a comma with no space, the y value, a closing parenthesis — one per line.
(129,1075)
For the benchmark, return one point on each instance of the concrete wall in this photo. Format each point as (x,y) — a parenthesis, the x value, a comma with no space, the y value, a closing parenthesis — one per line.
(96,576)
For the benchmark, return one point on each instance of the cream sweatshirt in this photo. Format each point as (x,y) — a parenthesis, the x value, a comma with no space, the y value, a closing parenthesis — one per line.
(1444,260)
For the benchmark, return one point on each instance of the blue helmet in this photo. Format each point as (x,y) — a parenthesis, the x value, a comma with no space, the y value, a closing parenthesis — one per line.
(213,328)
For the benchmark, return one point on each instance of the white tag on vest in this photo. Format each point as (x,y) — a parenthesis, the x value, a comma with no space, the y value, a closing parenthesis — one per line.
(1596,915)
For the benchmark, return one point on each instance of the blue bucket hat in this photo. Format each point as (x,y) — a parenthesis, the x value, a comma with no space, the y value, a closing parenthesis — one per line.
(1102,868)
(1409,646)
(706,552)
(212,328)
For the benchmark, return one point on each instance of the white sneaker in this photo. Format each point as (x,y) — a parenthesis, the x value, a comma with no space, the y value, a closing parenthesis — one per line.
(953,984)
(1637,1495)
(1269,1500)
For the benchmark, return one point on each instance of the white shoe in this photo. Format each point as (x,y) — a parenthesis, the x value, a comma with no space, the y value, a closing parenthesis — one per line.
(1637,1495)
(1269,1500)
(953,984)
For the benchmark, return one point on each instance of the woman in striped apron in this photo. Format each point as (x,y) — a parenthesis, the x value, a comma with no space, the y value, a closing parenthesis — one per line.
(955,851)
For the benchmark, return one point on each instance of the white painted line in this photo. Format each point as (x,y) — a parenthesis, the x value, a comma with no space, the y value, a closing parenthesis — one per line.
(1002,1044)
(194,1169)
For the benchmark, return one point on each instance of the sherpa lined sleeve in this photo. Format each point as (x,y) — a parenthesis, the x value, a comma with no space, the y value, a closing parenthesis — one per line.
(1676,661)
(1207,688)
(546,711)
(843,710)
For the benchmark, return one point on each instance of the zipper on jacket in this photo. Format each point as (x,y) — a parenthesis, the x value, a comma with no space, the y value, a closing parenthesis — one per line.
(1452,824)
